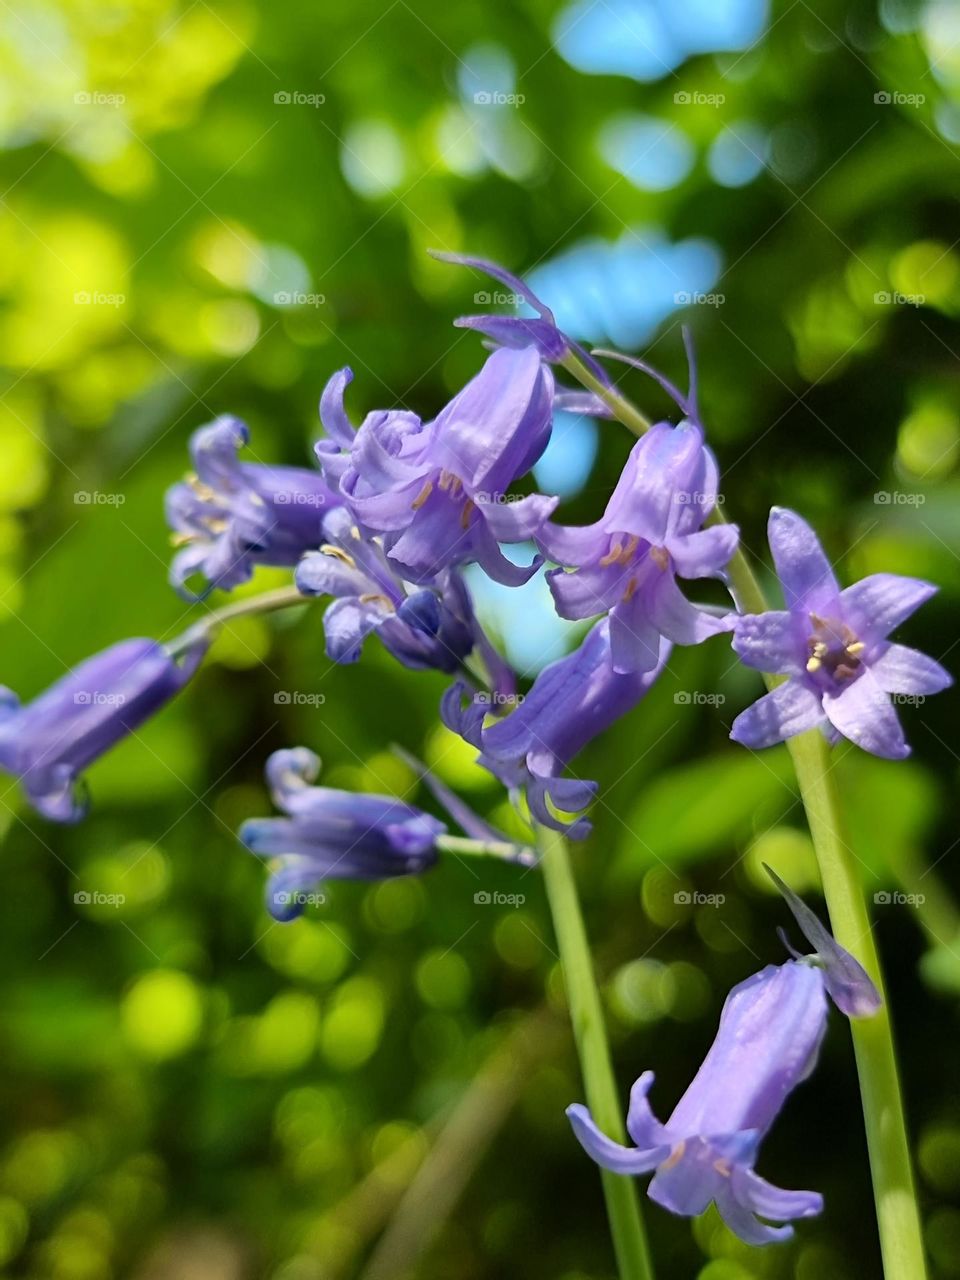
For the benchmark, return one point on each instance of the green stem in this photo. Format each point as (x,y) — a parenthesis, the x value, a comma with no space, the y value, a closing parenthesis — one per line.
(898,1218)
(586,1016)
(268,602)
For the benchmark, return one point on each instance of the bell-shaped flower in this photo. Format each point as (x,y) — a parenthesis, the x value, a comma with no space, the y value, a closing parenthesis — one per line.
(229,516)
(330,834)
(47,743)
(767,1043)
(768,1040)
(426,628)
(834,648)
(627,563)
(571,702)
(439,491)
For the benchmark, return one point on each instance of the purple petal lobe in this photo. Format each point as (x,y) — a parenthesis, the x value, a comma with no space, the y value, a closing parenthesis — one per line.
(607,1153)
(790,709)
(879,603)
(768,642)
(864,714)
(903,670)
(804,571)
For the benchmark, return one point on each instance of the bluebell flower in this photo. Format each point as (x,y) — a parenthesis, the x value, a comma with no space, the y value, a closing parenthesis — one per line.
(771,1027)
(425,628)
(229,516)
(330,834)
(628,561)
(571,702)
(439,492)
(48,742)
(834,648)
(540,330)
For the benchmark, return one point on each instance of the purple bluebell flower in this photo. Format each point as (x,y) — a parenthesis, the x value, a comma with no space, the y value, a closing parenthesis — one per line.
(229,516)
(768,1040)
(48,742)
(540,330)
(834,648)
(439,491)
(771,1027)
(627,562)
(329,834)
(426,628)
(571,702)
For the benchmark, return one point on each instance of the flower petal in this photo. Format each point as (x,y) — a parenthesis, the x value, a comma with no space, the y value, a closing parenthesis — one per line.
(642,1125)
(607,1153)
(903,670)
(864,714)
(333,415)
(678,619)
(759,1196)
(704,554)
(880,602)
(746,1225)
(520,520)
(346,624)
(791,708)
(804,571)
(768,642)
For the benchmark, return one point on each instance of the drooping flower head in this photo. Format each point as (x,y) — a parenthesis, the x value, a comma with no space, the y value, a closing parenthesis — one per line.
(345,835)
(330,834)
(48,742)
(771,1027)
(628,562)
(834,647)
(439,491)
(571,702)
(229,516)
(429,627)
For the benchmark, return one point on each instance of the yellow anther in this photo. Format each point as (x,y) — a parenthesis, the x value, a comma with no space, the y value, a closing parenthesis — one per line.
(723,1167)
(183,539)
(329,550)
(380,600)
(857,647)
(424,494)
(466,513)
(632,543)
(814,664)
(631,590)
(613,555)
(660,557)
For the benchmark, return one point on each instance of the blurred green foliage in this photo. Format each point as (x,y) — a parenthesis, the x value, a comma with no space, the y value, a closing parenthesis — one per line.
(191,1090)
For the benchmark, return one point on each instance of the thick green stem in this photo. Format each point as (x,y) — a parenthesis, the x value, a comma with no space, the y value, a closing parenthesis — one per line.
(586,1016)
(898,1218)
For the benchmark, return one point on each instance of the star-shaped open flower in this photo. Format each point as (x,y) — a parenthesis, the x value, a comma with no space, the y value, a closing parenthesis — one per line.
(650,533)
(834,648)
